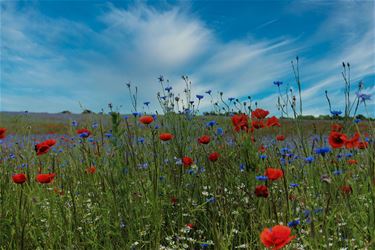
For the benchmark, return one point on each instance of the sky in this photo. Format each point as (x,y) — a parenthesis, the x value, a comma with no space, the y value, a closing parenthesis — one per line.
(75,55)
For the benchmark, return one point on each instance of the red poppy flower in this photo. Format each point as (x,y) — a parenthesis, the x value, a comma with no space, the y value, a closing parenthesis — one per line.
(165,136)
(19,178)
(346,189)
(2,133)
(41,148)
(352,162)
(173,200)
(259,113)
(45,178)
(187,161)
(336,127)
(205,139)
(50,142)
(276,237)
(190,225)
(336,139)
(353,142)
(257,124)
(240,122)
(262,149)
(91,170)
(214,156)
(261,191)
(274,173)
(273,122)
(146,119)
(362,144)
(280,138)
(84,132)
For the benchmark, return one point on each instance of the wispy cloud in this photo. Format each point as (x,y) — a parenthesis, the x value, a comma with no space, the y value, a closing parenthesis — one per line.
(267,23)
(62,62)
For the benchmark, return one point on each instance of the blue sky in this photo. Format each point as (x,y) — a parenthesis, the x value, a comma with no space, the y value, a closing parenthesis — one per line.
(65,55)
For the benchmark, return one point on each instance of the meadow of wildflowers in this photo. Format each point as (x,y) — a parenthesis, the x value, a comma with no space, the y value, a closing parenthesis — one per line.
(244,179)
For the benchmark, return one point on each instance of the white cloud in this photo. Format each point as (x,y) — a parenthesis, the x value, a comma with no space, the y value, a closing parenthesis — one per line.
(68,61)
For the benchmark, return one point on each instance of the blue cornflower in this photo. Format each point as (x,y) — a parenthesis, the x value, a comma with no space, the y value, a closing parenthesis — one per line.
(200,97)
(91,139)
(231,99)
(336,112)
(168,89)
(204,245)
(293,185)
(219,131)
(126,117)
(294,223)
(190,171)
(337,172)
(277,83)
(210,200)
(208,92)
(309,159)
(146,103)
(322,151)
(363,97)
(357,121)
(211,123)
(95,125)
(154,116)
(84,135)
(263,157)
(242,167)
(261,178)
(285,151)
(74,123)
(136,114)
(306,212)
(141,140)
(108,135)
(191,102)
(348,155)
(163,97)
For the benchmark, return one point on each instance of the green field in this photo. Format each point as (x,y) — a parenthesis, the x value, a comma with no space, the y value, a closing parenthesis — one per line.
(141,196)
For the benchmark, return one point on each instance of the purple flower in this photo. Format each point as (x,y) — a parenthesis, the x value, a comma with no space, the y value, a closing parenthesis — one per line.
(200,97)
(336,112)
(363,97)
(278,83)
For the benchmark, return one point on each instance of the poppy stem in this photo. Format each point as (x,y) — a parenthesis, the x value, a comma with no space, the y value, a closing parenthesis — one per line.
(273,205)
(287,199)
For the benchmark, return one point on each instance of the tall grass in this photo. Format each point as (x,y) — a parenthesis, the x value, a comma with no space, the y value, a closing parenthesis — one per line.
(142,197)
